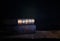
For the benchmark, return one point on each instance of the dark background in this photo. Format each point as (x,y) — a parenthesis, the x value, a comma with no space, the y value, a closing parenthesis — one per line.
(44,11)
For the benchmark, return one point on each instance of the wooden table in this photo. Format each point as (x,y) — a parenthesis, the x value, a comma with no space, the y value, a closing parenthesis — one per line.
(38,34)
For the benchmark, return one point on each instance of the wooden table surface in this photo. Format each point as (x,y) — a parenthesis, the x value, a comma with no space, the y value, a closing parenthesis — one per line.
(38,34)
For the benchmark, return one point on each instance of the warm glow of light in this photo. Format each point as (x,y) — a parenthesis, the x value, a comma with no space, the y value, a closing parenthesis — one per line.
(26,21)
(19,21)
(30,20)
(33,20)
